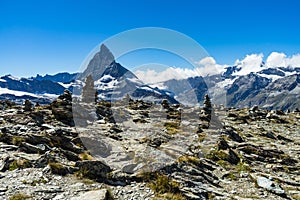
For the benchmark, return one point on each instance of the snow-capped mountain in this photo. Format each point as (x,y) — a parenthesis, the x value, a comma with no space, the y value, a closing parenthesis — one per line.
(187,91)
(111,80)
(18,89)
(238,86)
(241,85)
(269,87)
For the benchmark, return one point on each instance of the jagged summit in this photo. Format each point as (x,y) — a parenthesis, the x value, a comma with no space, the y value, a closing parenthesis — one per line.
(105,51)
(98,64)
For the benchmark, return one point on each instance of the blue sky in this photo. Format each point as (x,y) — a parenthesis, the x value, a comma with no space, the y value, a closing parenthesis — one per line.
(39,37)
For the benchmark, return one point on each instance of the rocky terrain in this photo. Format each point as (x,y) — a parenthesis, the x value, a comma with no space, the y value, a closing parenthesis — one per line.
(132,149)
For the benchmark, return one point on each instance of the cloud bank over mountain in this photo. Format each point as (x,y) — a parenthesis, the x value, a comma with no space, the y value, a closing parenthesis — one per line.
(204,67)
(209,66)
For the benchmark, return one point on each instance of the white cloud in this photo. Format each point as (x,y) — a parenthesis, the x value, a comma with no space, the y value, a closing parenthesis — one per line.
(209,66)
(276,59)
(206,66)
(207,61)
(293,61)
(251,63)
(152,76)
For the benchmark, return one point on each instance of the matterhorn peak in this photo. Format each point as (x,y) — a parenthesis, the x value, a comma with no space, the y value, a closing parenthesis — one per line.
(98,63)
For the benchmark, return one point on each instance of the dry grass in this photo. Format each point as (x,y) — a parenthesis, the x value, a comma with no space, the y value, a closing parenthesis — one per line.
(86,156)
(19,196)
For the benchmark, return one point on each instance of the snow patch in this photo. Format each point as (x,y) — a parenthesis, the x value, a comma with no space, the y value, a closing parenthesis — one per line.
(20,93)
(107,85)
(65,85)
(50,96)
(106,78)
(13,78)
(135,80)
(274,94)
(160,86)
(225,83)
(149,89)
(16,93)
(290,73)
(273,77)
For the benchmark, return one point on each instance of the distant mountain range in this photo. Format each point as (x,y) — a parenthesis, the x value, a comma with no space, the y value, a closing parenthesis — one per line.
(270,88)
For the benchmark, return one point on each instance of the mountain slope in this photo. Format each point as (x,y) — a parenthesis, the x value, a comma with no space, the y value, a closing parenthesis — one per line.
(282,94)
(244,88)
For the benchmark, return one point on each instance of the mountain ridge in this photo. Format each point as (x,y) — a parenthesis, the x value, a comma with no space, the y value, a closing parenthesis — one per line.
(265,86)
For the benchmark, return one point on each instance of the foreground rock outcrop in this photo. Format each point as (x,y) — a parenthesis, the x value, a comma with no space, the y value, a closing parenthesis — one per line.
(139,150)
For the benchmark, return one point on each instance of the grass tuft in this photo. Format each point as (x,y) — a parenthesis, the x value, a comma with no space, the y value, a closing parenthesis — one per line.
(85,156)
(163,184)
(19,164)
(19,196)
